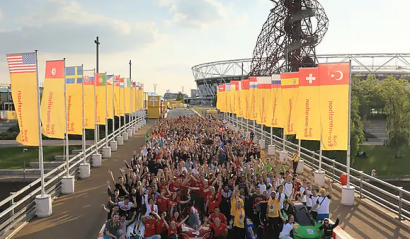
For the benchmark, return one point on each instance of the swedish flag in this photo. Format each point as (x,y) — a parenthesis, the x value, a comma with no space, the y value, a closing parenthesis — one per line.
(74,75)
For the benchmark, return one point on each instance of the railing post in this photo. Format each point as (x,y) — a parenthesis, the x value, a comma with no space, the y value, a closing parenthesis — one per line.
(12,203)
(400,201)
(361,184)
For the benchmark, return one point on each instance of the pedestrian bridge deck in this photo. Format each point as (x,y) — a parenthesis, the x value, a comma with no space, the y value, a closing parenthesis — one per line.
(80,215)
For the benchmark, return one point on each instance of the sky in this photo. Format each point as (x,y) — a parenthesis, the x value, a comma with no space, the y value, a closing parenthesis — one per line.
(165,38)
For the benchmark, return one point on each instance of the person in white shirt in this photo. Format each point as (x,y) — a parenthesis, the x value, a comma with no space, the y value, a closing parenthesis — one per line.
(288,186)
(150,206)
(323,203)
(287,227)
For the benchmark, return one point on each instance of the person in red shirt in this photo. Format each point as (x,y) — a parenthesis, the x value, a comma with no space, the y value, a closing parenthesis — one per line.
(219,229)
(162,203)
(150,226)
(217,214)
(161,229)
(213,204)
(173,227)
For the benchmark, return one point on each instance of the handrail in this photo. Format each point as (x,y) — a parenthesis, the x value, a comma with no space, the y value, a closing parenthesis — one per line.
(17,206)
(364,184)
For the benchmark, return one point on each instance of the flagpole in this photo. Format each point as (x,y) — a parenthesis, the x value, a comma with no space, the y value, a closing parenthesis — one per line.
(40,135)
(129,115)
(125,116)
(95,115)
(84,136)
(348,128)
(113,107)
(119,103)
(67,158)
(106,112)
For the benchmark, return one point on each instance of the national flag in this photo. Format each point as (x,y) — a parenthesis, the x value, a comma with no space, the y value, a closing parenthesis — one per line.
(89,99)
(275,110)
(22,63)
(24,91)
(253,85)
(334,105)
(290,85)
(101,79)
(74,75)
(308,106)
(52,102)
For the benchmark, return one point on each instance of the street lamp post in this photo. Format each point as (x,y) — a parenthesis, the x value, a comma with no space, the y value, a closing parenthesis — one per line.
(24,162)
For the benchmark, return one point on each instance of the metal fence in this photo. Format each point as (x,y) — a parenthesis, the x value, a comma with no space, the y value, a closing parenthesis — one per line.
(20,206)
(386,195)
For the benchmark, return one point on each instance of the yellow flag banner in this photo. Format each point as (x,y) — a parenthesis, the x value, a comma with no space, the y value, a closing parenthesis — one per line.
(239,100)
(245,98)
(74,100)
(219,97)
(275,108)
(253,107)
(334,105)
(101,97)
(23,77)
(234,98)
(122,101)
(89,99)
(52,102)
(127,106)
(117,96)
(228,97)
(290,89)
(263,98)
(110,97)
(308,106)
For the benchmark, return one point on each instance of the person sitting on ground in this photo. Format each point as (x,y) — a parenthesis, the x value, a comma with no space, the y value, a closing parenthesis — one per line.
(112,228)
(173,227)
(328,228)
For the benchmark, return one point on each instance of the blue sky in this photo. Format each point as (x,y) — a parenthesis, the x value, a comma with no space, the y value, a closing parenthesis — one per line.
(165,38)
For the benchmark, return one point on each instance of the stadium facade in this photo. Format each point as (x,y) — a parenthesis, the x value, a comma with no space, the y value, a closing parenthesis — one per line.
(209,75)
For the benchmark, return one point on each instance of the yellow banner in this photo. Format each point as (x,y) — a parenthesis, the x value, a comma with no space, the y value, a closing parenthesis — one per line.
(228,99)
(275,109)
(117,100)
(110,98)
(263,98)
(74,109)
(308,106)
(24,93)
(89,110)
(253,96)
(334,105)
(101,105)
(122,101)
(290,90)
(127,95)
(52,101)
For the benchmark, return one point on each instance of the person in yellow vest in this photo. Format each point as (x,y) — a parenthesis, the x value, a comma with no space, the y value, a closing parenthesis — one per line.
(262,154)
(234,201)
(295,159)
(239,222)
(272,215)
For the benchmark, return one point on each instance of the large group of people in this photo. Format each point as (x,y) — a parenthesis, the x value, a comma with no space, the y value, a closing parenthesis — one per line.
(196,172)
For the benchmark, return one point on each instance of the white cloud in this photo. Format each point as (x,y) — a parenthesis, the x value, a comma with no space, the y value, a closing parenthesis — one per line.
(63,26)
(200,13)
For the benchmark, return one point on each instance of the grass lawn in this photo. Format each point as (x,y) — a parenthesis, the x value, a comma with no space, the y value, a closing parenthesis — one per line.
(382,159)
(12,157)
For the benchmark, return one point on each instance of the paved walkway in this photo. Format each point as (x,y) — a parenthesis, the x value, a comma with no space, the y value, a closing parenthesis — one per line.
(10,143)
(80,215)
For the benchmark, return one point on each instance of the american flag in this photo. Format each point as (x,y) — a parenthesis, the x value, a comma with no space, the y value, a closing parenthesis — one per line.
(22,63)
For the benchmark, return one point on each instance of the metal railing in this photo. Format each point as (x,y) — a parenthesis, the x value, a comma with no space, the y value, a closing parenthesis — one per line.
(386,195)
(22,206)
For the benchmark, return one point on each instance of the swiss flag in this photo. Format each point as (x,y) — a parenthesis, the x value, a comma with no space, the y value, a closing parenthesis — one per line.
(334,73)
(309,76)
(55,69)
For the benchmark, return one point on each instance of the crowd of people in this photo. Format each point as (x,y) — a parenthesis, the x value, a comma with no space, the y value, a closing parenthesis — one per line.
(196,172)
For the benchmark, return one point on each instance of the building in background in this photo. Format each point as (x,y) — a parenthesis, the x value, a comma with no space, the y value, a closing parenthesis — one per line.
(173,96)
(195,93)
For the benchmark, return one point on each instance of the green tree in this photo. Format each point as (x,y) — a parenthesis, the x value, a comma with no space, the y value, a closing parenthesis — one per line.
(180,96)
(396,95)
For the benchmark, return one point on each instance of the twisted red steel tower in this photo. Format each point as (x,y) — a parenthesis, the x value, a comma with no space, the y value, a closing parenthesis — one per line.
(289,37)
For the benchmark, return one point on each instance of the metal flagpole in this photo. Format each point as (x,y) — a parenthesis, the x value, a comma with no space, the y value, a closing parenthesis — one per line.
(113,106)
(284,140)
(67,153)
(106,111)
(299,145)
(125,116)
(40,135)
(119,103)
(95,115)
(348,128)
(130,114)
(84,137)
